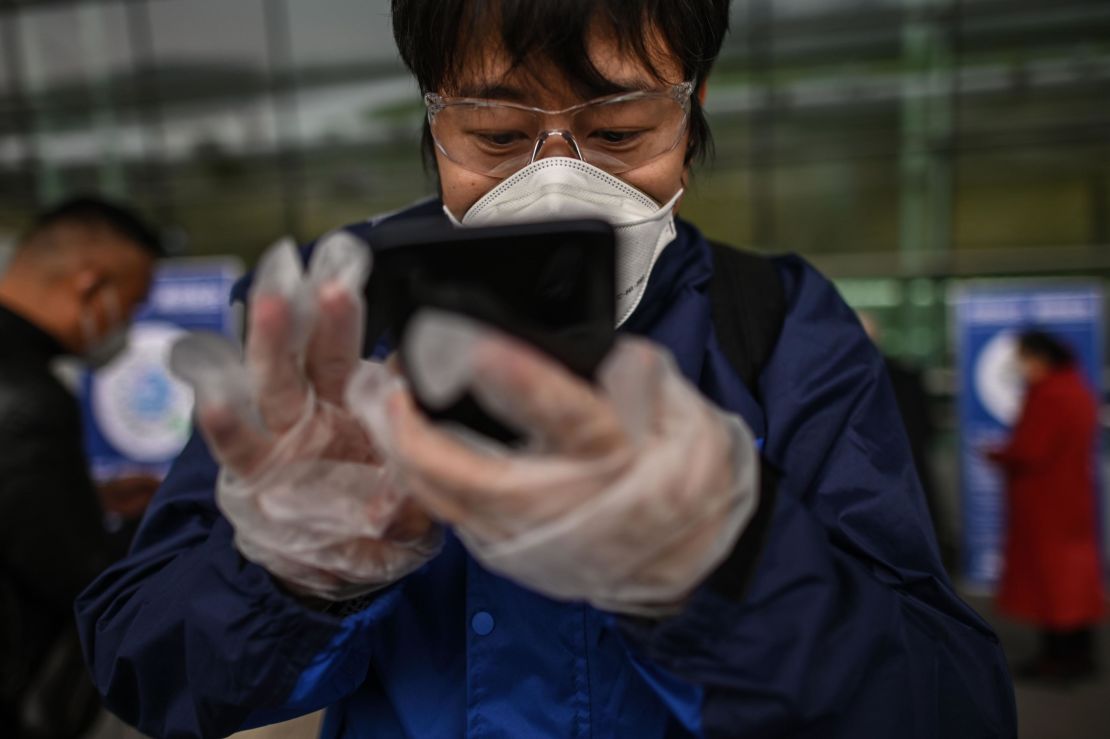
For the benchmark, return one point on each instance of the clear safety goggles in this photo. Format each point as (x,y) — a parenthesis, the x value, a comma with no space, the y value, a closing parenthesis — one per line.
(615,133)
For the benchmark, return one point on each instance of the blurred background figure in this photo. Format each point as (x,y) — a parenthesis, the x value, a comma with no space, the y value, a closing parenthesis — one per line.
(917,416)
(69,289)
(1052,576)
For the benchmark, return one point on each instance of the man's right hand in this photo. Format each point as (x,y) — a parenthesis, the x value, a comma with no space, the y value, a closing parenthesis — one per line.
(300,479)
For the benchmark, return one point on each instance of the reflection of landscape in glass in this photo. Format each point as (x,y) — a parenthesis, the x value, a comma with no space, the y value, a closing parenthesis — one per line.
(898,144)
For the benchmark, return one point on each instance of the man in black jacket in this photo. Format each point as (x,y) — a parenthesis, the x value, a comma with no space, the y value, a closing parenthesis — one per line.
(70,288)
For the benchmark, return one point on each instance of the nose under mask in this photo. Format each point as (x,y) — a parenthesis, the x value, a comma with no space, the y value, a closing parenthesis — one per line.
(564,188)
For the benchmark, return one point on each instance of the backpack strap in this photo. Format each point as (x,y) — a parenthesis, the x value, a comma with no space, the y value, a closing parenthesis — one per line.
(749,305)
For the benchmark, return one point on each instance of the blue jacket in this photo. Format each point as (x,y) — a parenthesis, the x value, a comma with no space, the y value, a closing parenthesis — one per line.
(846,625)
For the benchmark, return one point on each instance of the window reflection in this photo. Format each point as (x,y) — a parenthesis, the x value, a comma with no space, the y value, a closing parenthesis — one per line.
(241,119)
(352,34)
(209,48)
(7,38)
(72,45)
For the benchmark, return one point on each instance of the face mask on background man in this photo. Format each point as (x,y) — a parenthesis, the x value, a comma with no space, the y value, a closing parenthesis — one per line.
(101,350)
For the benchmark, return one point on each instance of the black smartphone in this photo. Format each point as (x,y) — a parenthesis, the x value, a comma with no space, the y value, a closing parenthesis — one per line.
(550,284)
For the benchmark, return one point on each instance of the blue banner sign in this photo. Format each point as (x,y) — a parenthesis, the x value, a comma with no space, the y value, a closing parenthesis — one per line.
(137,415)
(987,323)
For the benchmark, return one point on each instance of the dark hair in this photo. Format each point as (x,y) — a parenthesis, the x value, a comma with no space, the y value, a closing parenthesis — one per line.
(436,36)
(1045,346)
(95,212)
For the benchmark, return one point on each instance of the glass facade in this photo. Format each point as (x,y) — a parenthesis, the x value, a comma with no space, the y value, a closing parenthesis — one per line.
(900,144)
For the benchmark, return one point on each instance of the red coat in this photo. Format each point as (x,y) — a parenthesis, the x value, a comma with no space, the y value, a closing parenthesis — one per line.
(1052,573)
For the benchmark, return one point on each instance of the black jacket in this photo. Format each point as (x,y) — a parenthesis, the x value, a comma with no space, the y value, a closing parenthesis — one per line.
(52,541)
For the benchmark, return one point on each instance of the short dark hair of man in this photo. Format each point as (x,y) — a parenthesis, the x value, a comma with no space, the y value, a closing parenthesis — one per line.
(1046,347)
(436,37)
(93,212)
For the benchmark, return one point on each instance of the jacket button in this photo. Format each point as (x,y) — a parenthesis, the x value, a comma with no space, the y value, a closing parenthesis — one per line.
(482,623)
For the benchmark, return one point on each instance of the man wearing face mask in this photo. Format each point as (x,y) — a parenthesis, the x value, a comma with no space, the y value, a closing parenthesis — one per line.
(69,291)
(637,569)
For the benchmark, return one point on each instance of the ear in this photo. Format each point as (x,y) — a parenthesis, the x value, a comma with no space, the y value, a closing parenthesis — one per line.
(703,88)
(87,281)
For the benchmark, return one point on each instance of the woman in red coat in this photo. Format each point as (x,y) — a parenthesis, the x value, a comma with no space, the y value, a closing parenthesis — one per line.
(1052,575)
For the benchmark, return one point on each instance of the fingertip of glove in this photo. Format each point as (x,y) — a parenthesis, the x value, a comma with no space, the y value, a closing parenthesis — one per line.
(341,257)
(279,270)
(438,350)
(198,351)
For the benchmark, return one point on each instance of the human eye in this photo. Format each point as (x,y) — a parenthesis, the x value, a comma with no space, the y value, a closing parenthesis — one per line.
(498,139)
(617,138)
(501,138)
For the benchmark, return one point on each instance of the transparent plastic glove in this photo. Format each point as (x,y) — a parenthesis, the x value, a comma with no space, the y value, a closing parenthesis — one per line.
(300,479)
(627,495)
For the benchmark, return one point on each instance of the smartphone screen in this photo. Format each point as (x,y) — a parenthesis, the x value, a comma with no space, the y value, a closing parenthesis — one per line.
(550,284)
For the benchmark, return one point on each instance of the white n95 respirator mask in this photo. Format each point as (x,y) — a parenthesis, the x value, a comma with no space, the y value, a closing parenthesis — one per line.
(563,188)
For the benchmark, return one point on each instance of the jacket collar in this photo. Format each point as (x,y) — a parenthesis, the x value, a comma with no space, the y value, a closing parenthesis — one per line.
(19,338)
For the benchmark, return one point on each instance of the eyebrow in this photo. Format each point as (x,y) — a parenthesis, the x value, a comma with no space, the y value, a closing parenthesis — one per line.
(508,93)
(493,91)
